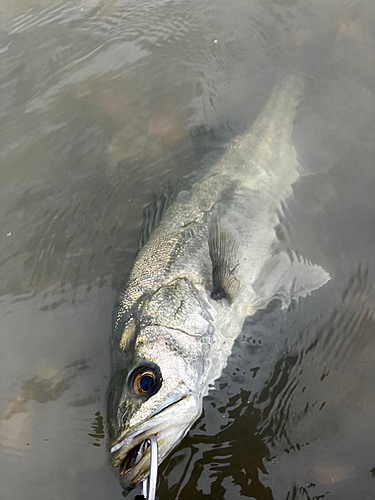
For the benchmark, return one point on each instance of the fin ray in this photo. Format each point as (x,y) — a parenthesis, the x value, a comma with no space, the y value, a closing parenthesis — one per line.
(154,213)
(225,256)
(288,276)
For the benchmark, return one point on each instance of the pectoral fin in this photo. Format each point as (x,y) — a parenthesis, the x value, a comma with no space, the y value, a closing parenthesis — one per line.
(287,278)
(225,256)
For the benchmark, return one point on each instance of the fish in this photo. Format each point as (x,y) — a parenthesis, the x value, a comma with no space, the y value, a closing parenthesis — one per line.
(209,259)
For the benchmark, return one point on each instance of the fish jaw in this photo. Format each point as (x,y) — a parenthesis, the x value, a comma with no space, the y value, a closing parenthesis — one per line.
(169,425)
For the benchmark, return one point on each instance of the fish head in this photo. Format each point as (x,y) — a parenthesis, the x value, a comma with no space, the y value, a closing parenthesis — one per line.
(156,391)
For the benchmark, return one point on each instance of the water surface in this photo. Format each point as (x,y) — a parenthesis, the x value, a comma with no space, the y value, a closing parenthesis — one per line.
(101,105)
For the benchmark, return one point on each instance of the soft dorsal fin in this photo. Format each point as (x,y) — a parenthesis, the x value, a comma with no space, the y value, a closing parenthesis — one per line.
(287,277)
(154,213)
(225,256)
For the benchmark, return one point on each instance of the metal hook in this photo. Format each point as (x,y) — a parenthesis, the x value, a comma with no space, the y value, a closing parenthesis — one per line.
(149,484)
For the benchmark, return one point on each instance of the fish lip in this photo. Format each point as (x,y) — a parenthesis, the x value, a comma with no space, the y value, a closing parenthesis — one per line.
(137,436)
(130,477)
(127,444)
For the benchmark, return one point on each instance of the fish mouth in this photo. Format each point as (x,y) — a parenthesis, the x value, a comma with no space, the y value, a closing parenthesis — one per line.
(133,456)
(131,453)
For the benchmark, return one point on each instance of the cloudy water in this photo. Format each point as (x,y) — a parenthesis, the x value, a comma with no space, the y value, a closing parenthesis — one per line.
(102,104)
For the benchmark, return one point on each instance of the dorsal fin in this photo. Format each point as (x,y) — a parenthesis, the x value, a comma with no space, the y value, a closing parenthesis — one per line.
(154,213)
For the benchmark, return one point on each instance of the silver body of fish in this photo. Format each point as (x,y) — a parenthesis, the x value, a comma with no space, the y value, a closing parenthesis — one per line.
(213,260)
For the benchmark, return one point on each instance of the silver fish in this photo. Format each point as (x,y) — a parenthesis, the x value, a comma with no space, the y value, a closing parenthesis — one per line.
(213,260)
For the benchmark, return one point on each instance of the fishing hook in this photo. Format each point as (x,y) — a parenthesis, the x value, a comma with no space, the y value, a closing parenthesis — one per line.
(149,484)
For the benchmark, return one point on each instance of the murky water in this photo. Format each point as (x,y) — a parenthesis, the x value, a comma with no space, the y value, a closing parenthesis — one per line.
(102,104)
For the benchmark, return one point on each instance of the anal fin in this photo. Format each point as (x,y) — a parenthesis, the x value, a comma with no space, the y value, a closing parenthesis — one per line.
(288,277)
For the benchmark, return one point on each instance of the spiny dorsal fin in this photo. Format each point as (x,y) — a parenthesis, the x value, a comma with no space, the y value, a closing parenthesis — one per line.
(154,213)
(225,256)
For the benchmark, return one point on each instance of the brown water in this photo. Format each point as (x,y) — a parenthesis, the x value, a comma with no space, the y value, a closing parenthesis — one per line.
(100,104)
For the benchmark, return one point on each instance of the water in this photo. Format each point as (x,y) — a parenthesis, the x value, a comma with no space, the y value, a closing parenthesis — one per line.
(101,105)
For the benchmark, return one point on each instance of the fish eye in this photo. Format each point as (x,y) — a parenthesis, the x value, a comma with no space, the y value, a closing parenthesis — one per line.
(145,380)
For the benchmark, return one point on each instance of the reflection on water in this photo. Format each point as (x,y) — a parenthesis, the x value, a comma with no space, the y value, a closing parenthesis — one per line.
(97,429)
(297,410)
(103,104)
(42,390)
